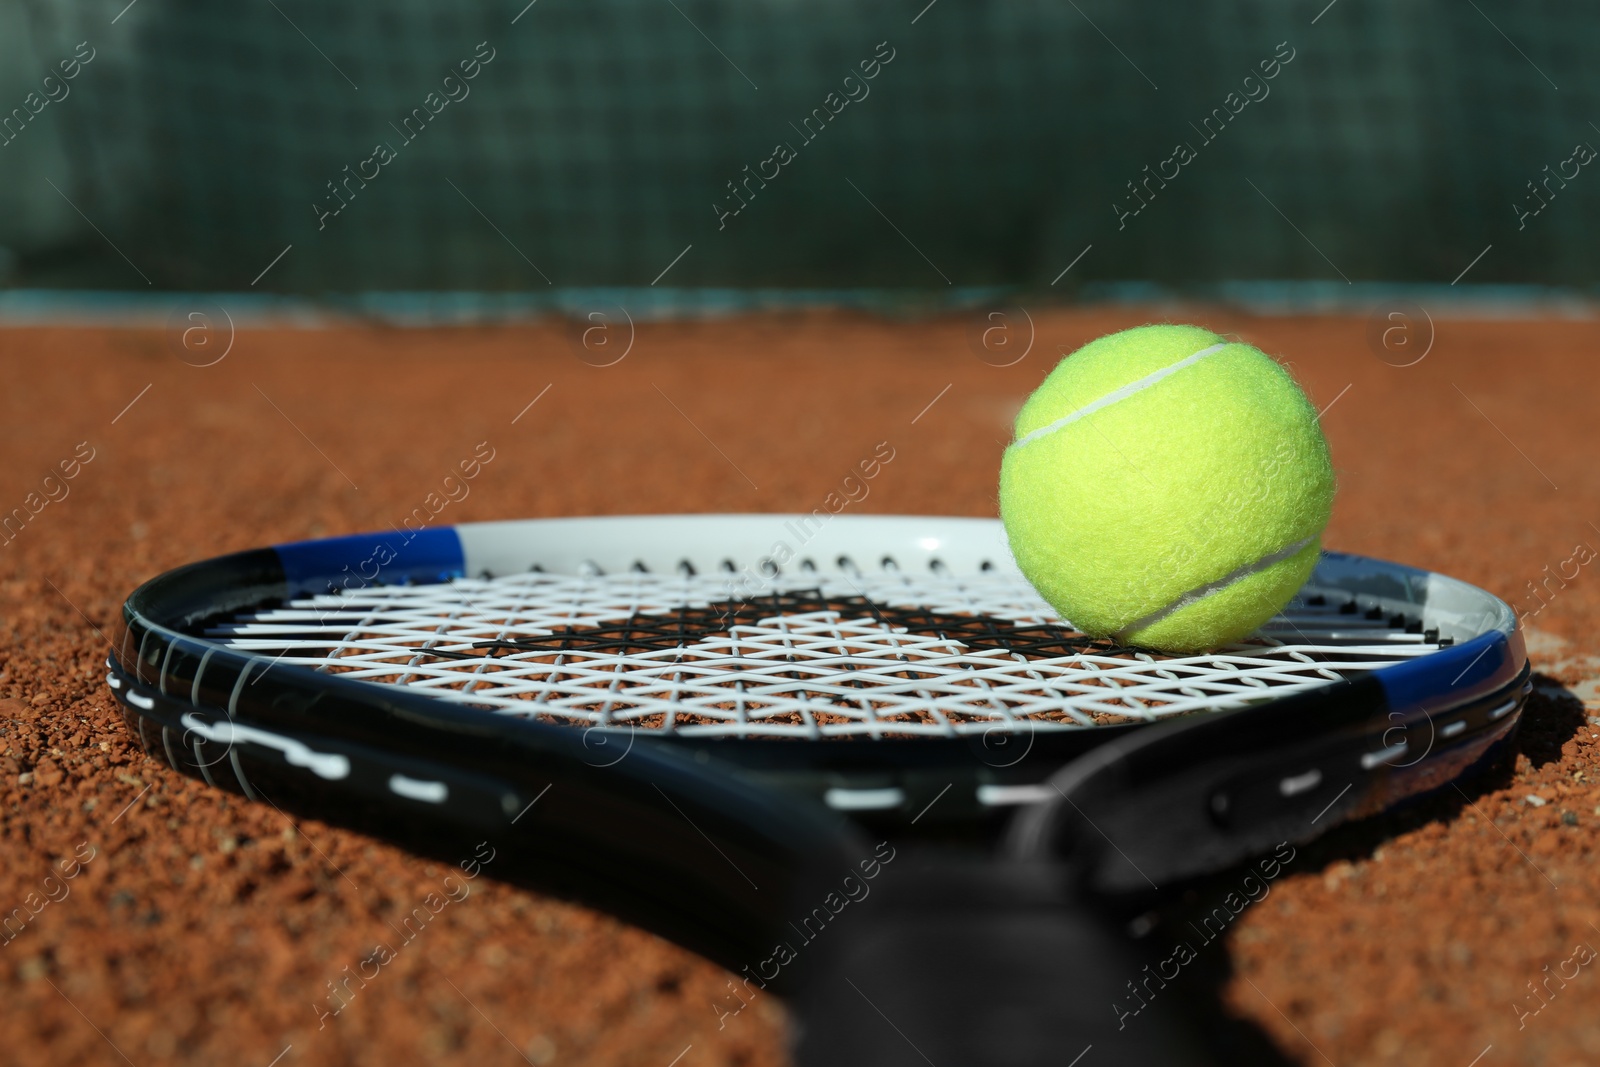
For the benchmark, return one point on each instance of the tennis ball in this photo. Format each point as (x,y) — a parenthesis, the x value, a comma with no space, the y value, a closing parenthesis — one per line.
(1167,488)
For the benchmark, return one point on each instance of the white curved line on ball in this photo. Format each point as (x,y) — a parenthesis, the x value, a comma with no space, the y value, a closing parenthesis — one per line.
(1120,394)
(1198,594)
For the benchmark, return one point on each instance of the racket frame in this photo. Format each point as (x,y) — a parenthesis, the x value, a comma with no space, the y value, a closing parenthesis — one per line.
(411,767)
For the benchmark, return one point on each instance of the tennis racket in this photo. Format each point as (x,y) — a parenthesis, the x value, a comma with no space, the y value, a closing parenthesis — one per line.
(683,718)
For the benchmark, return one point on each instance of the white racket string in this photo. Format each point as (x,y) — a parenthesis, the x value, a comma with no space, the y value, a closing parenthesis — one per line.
(817,655)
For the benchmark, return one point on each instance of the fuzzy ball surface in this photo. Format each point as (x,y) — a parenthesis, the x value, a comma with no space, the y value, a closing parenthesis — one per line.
(1167,488)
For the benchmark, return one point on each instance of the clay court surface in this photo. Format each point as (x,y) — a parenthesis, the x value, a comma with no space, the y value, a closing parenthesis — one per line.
(205,930)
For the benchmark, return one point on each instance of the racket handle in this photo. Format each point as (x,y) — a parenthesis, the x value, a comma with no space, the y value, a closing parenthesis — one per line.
(977,964)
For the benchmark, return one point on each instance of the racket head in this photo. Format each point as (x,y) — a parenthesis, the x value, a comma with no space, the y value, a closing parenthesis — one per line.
(341,734)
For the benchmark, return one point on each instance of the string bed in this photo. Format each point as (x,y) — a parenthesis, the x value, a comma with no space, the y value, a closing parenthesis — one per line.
(813,656)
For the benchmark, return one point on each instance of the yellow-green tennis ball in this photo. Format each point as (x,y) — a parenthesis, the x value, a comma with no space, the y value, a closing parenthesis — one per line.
(1167,488)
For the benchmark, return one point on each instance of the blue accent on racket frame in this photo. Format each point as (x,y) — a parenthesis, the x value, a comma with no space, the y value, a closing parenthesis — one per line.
(1473,668)
(387,557)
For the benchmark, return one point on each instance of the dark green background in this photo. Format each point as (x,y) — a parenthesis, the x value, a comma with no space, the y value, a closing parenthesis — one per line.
(997,141)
